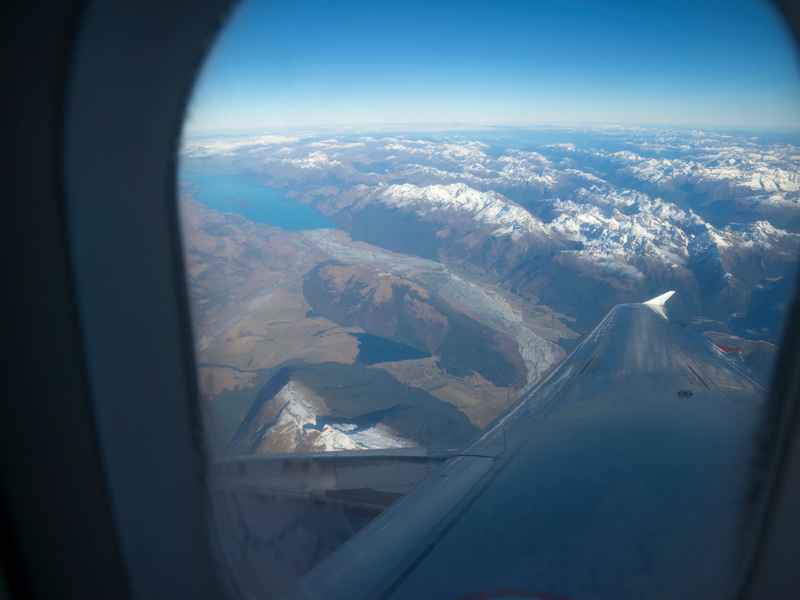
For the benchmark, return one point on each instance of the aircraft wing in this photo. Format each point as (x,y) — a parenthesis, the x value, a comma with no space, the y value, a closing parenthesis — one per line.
(621,475)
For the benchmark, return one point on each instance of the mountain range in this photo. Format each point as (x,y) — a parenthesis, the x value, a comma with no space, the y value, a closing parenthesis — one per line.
(629,212)
(490,254)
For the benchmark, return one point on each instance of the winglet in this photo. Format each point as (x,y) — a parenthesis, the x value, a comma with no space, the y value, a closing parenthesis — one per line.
(660,300)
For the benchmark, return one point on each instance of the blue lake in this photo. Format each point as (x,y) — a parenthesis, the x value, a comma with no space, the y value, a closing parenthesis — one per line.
(259,203)
(373,349)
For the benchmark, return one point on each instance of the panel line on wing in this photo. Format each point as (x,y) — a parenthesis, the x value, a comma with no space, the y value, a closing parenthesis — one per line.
(586,366)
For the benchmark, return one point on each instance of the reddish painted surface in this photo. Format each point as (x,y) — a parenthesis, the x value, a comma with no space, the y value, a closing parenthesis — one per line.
(727,348)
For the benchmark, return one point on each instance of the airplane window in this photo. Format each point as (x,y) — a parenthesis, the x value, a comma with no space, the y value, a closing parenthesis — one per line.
(400,219)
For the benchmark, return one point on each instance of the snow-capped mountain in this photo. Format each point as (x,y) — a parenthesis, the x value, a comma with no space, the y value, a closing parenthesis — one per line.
(444,204)
(700,168)
(629,226)
(294,421)
(488,209)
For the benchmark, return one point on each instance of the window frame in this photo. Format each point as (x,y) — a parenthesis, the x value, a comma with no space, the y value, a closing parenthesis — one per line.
(133,68)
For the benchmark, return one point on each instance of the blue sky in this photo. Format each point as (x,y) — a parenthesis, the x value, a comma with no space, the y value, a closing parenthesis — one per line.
(304,64)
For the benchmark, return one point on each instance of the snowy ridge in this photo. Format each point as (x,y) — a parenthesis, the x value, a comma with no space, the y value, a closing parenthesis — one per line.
(706,163)
(467,163)
(754,176)
(623,230)
(647,229)
(487,208)
(298,427)
(715,245)
(452,153)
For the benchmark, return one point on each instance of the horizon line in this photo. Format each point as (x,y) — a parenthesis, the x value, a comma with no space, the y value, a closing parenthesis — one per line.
(434,127)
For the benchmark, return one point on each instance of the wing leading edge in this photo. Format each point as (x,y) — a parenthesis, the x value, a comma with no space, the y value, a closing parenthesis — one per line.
(621,475)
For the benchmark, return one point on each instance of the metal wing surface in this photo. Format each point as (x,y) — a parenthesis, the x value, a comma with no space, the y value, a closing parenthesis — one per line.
(623,474)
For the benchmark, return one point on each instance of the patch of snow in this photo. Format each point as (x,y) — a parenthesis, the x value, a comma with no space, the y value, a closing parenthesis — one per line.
(300,427)
(489,208)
